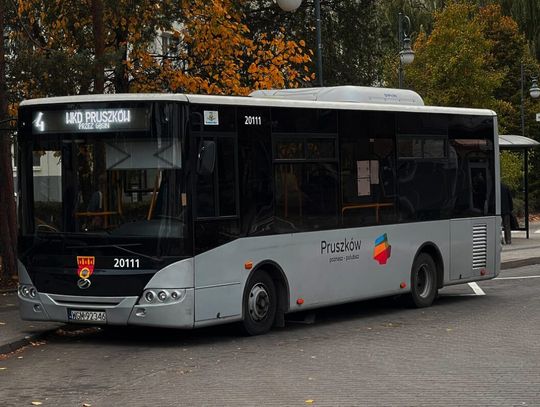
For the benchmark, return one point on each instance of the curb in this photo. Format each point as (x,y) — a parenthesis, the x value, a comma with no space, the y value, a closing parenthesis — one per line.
(20,343)
(512,264)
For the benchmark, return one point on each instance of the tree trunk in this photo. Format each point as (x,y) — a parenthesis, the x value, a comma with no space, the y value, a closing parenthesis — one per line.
(8,222)
(121,81)
(99,45)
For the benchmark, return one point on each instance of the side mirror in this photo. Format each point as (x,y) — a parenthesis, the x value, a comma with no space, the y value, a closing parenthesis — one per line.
(207,158)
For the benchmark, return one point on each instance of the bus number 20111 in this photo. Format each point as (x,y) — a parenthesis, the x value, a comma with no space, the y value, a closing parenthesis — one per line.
(126,263)
(253,120)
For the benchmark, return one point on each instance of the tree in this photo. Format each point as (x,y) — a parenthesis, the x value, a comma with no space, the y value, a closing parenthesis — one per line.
(8,227)
(64,33)
(509,51)
(352,35)
(527,14)
(454,64)
(99,45)
(127,30)
(219,54)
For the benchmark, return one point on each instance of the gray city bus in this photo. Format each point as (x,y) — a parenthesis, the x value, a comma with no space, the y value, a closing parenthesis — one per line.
(187,210)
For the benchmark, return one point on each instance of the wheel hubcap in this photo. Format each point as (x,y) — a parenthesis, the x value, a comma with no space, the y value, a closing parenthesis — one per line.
(423,281)
(259,302)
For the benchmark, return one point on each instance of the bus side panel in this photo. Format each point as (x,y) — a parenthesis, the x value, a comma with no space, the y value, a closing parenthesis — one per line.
(218,302)
(475,248)
(218,282)
(323,268)
(461,253)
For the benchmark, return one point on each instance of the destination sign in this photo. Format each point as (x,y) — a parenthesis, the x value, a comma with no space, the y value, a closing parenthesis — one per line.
(89,120)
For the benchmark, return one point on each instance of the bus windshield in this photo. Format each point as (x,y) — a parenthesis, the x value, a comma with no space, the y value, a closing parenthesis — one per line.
(118,188)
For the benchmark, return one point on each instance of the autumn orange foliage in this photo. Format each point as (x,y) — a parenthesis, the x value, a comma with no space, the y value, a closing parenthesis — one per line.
(216,53)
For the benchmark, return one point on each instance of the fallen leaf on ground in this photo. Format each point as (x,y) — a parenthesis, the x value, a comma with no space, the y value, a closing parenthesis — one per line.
(2,323)
(309,401)
(3,368)
(87,405)
(37,403)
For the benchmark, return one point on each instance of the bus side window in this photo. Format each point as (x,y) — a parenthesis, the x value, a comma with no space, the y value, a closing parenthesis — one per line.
(367,150)
(424,179)
(473,192)
(306,196)
(206,191)
(217,191)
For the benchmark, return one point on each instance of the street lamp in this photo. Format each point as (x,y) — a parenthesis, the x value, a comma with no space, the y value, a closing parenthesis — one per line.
(534,91)
(292,5)
(406,54)
(289,5)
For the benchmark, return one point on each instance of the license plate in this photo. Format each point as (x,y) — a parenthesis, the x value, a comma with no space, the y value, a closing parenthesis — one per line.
(99,317)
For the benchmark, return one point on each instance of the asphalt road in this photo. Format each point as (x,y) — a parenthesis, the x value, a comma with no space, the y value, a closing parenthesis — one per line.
(466,350)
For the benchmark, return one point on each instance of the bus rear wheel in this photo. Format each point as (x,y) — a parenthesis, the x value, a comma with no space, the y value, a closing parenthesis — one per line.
(260,304)
(423,281)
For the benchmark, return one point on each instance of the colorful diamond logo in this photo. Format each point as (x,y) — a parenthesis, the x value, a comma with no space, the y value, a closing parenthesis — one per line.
(382,250)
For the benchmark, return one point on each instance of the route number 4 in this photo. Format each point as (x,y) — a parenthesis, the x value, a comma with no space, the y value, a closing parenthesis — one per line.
(39,123)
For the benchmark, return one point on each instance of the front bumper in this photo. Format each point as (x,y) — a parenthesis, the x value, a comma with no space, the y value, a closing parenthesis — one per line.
(178,313)
(119,310)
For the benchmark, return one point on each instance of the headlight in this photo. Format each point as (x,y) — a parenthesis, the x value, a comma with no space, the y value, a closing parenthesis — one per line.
(165,296)
(27,291)
(162,296)
(149,296)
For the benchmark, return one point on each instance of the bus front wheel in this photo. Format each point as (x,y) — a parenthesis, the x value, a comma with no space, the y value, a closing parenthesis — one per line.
(423,281)
(260,304)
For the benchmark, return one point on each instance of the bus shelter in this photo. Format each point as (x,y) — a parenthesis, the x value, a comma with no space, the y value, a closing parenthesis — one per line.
(523,145)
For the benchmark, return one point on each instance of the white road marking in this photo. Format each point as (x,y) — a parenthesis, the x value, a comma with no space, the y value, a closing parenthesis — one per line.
(476,288)
(478,291)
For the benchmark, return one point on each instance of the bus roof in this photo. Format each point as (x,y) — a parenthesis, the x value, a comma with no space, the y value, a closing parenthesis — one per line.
(357,94)
(253,101)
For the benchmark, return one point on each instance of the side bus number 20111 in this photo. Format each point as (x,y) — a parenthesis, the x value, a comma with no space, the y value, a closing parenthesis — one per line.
(253,120)
(126,263)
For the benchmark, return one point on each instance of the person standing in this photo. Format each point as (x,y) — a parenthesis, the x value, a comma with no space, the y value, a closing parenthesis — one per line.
(507,207)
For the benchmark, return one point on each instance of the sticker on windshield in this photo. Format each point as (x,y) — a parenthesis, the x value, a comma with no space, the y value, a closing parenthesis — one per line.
(211,118)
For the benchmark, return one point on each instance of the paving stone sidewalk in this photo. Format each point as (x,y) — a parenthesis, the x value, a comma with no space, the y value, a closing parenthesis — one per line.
(14,332)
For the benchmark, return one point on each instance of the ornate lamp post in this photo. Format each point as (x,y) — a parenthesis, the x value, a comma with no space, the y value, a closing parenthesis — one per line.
(534,91)
(406,54)
(292,5)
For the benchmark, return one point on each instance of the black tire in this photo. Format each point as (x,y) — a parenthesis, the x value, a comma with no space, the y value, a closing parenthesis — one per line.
(260,304)
(423,281)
